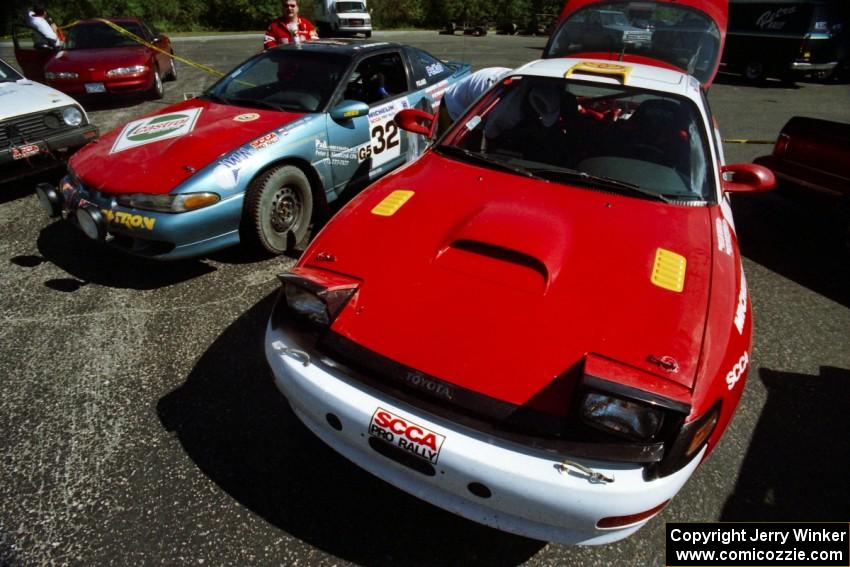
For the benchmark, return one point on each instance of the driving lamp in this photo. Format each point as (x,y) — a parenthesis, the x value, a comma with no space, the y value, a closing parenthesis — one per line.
(91,222)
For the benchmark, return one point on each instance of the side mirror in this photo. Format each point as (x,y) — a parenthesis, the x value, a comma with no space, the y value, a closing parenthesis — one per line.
(746,178)
(348,109)
(415,120)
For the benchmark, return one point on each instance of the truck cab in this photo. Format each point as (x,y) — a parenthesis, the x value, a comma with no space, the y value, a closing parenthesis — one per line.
(342,17)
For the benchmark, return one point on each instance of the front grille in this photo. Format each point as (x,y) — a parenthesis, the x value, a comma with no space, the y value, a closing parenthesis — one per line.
(30,128)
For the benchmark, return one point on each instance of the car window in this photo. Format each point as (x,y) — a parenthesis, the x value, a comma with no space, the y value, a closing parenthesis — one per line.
(7,73)
(101,36)
(349,7)
(377,78)
(434,69)
(283,79)
(556,128)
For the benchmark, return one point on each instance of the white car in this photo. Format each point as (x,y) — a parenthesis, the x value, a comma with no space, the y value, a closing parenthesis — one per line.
(39,126)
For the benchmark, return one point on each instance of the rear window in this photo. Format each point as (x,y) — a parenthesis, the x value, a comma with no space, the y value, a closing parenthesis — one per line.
(681,36)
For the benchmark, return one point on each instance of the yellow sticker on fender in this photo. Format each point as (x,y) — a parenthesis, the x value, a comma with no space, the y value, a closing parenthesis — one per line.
(392,203)
(669,269)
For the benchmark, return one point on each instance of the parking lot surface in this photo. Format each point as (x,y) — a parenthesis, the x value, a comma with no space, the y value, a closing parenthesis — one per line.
(140,424)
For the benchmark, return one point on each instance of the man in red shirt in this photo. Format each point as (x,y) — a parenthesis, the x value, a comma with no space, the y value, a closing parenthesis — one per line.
(289,28)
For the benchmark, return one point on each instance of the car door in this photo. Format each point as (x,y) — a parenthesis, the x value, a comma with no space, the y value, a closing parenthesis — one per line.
(162,42)
(365,147)
(31,59)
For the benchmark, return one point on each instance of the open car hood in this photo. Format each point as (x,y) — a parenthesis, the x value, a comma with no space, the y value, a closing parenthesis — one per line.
(504,286)
(686,34)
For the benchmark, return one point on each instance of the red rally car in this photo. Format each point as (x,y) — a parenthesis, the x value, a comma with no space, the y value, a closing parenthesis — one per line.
(543,323)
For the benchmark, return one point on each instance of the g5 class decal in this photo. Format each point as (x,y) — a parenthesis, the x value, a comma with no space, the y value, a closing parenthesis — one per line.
(155,129)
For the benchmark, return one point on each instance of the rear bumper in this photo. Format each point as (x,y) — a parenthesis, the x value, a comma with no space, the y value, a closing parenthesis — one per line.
(528,492)
(804,67)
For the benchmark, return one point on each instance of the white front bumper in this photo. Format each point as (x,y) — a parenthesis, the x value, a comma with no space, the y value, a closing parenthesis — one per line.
(530,495)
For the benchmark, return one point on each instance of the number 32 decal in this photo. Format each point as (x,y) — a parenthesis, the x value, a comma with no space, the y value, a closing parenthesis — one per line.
(384,137)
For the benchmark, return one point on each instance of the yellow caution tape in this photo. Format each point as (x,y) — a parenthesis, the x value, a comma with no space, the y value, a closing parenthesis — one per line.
(149,45)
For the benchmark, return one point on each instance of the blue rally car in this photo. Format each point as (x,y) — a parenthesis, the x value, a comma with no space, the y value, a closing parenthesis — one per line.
(258,156)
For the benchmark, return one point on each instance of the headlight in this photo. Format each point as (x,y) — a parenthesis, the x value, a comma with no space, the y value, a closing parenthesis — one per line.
(122,71)
(61,76)
(72,116)
(168,203)
(314,302)
(621,417)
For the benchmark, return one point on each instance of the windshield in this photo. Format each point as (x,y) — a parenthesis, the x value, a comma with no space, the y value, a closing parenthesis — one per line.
(680,36)
(7,74)
(282,79)
(644,143)
(101,36)
(348,7)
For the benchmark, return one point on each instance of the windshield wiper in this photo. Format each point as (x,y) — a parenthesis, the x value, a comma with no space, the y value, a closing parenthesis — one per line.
(621,187)
(484,159)
(216,98)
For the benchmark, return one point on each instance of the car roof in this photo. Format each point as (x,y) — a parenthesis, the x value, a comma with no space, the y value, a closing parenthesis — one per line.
(649,77)
(349,47)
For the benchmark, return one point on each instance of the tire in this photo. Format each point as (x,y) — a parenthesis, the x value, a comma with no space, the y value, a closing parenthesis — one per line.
(368,34)
(277,211)
(172,73)
(754,71)
(158,89)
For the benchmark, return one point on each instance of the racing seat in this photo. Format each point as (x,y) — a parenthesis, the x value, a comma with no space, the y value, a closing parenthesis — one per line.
(657,132)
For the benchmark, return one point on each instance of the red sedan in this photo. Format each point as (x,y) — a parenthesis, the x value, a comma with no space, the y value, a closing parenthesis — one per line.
(97,59)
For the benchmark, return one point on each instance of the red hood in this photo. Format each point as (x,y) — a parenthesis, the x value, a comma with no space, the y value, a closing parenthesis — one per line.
(512,281)
(160,166)
(102,59)
(677,36)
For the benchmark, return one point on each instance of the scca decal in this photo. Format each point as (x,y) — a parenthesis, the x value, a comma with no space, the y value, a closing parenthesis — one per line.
(128,220)
(405,435)
(738,370)
(724,236)
(264,141)
(741,310)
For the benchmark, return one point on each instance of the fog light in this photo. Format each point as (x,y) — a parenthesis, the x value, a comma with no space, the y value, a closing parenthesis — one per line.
(91,222)
(49,199)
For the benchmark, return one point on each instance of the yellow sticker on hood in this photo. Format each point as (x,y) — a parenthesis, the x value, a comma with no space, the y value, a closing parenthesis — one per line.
(669,269)
(392,203)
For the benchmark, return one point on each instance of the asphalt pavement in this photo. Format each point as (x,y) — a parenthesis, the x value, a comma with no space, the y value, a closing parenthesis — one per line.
(139,423)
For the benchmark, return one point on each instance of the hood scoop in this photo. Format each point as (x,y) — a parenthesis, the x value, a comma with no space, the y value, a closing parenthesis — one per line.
(495,265)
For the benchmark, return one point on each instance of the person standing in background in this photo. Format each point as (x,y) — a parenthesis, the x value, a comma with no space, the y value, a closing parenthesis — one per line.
(44,34)
(289,28)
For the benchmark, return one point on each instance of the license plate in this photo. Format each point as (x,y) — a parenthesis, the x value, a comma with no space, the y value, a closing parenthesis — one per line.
(22,152)
(95,88)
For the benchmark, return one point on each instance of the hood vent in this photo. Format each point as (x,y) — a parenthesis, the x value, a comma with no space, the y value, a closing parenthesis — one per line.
(495,264)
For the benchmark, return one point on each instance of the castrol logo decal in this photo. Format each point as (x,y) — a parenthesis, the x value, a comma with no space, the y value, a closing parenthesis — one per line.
(156,128)
(406,435)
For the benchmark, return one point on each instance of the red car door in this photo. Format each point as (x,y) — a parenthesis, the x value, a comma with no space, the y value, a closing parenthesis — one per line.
(30,59)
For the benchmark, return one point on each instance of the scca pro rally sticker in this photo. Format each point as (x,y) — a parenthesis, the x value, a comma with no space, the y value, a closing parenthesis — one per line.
(405,435)
(156,128)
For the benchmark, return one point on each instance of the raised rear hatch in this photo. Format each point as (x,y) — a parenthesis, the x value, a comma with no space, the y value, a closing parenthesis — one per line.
(686,34)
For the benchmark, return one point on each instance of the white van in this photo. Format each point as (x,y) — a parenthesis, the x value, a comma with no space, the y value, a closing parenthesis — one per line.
(342,17)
